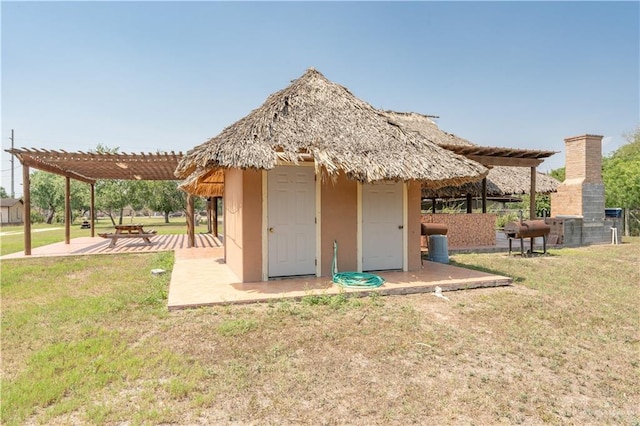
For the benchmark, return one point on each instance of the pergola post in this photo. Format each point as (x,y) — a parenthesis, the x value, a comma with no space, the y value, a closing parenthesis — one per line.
(484,194)
(209,215)
(532,194)
(92,209)
(469,202)
(67,210)
(190,224)
(433,205)
(26,187)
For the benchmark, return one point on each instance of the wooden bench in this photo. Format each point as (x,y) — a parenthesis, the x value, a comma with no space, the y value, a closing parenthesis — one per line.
(114,236)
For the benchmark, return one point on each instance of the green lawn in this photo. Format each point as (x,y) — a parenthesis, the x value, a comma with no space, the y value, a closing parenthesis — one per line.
(90,341)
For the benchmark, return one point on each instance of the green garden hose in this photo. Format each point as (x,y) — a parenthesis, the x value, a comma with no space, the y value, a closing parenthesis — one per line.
(353,279)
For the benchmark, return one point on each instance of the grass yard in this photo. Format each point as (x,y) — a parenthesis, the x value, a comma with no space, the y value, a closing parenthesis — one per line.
(89,340)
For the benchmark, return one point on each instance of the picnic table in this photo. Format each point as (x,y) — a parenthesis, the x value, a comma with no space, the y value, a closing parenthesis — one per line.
(134,230)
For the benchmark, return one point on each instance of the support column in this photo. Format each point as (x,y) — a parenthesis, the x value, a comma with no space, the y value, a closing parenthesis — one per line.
(469,203)
(215,216)
(67,210)
(484,195)
(26,198)
(92,210)
(190,225)
(209,216)
(433,205)
(532,195)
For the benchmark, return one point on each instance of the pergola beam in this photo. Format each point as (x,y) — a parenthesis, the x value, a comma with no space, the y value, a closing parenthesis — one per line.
(486,160)
(30,162)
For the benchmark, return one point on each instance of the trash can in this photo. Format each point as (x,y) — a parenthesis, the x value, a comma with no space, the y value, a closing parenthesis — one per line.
(438,249)
(613,212)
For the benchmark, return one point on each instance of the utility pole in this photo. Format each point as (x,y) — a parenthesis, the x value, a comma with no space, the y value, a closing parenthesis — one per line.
(13,192)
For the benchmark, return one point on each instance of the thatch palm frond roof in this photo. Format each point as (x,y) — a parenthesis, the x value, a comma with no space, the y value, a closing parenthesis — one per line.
(315,119)
(501,181)
(207,184)
(424,125)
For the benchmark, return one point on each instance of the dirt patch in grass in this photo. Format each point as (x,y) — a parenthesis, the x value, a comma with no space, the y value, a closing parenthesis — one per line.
(560,346)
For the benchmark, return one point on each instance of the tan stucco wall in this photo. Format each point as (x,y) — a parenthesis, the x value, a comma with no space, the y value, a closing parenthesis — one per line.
(339,213)
(413,233)
(243,223)
(233,220)
(252,227)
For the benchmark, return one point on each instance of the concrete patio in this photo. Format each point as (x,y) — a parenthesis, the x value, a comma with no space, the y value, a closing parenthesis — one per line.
(201,278)
(98,245)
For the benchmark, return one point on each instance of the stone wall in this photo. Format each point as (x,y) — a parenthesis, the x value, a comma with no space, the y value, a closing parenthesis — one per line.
(465,229)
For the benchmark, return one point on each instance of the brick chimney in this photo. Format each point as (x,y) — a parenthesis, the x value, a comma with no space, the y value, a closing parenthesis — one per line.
(582,192)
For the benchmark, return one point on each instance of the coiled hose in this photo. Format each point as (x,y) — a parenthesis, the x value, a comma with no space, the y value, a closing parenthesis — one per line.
(353,279)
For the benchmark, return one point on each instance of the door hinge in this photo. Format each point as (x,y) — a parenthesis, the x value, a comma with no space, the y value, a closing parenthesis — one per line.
(315,220)
(315,262)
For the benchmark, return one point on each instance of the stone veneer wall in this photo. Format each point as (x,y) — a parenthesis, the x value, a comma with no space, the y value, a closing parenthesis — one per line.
(466,229)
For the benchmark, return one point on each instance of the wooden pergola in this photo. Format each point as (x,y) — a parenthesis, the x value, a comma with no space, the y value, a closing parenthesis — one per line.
(510,157)
(89,167)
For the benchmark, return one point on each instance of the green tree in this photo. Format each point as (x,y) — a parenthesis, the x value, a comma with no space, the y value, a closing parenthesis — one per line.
(112,196)
(3,193)
(166,197)
(559,174)
(621,174)
(48,193)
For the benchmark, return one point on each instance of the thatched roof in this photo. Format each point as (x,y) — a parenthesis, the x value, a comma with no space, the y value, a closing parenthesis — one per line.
(209,184)
(500,181)
(424,125)
(314,119)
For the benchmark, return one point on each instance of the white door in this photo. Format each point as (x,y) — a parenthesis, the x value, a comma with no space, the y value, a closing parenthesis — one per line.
(291,221)
(382,209)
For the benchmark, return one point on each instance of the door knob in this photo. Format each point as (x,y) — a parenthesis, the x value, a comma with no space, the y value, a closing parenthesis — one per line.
(271,230)
(400,227)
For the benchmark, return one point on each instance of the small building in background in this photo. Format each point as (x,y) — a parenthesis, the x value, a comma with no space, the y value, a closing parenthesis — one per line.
(11,211)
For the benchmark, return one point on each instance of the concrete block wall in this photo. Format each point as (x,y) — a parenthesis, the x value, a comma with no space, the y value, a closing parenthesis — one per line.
(593,202)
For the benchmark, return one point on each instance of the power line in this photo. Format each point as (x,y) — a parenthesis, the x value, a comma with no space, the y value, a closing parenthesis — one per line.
(13,192)
(8,170)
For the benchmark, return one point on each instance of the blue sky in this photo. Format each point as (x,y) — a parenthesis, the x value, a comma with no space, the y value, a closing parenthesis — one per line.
(147,76)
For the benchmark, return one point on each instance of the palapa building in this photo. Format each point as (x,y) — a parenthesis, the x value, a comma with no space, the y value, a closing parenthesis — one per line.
(313,165)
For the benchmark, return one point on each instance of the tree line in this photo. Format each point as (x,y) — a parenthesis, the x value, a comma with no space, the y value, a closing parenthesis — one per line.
(111,197)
